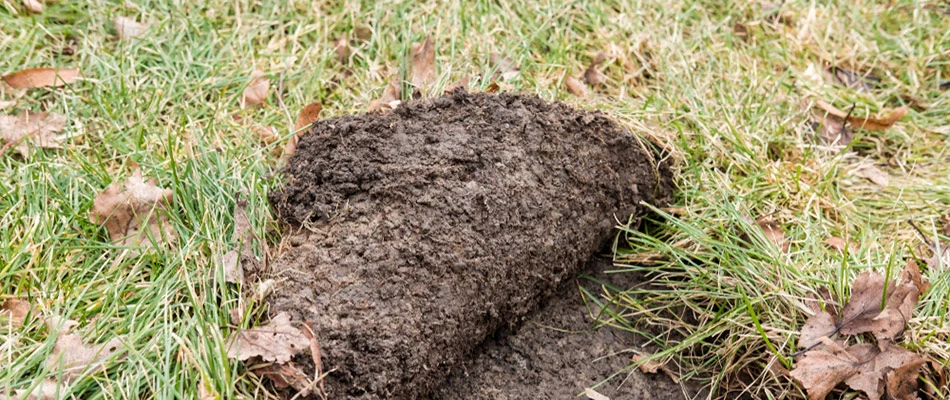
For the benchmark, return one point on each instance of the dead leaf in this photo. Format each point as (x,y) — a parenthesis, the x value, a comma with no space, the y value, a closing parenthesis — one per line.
(864,313)
(902,381)
(256,91)
(423,64)
(831,131)
(342,49)
(842,244)
(853,80)
(503,66)
(647,367)
(41,77)
(390,97)
(127,28)
(875,362)
(308,115)
(285,376)
(822,369)
(874,174)
(48,389)
(820,325)
(593,395)
(231,261)
(35,6)
(134,212)
(495,87)
(773,232)
(276,342)
(911,273)
(16,311)
(72,357)
(867,123)
(575,86)
(592,75)
(266,134)
(7,103)
(363,33)
(32,130)
(459,84)
(740,31)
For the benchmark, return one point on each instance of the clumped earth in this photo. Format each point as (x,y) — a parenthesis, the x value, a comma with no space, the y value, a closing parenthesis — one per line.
(425,230)
(556,354)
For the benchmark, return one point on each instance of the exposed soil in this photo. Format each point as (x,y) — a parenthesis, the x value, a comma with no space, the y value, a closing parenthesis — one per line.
(431,227)
(556,354)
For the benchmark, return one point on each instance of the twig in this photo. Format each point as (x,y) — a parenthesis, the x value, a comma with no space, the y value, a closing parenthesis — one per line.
(922,235)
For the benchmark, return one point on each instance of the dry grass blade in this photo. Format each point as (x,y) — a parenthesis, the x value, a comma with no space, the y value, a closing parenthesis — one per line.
(41,77)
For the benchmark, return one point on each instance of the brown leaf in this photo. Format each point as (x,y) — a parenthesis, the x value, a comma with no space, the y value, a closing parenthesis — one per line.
(853,80)
(256,91)
(592,75)
(127,28)
(72,357)
(32,130)
(648,366)
(902,381)
(876,362)
(266,134)
(823,369)
(940,257)
(286,376)
(48,389)
(35,6)
(423,64)
(874,174)
(831,130)
(575,86)
(16,311)
(503,66)
(276,342)
(820,325)
(231,261)
(41,77)
(135,212)
(842,244)
(7,104)
(911,273)
(867,123)
(773,232)
(390,97)
(363,33)
(740,31)
(864,313)
(342,49)
(308,115)
(461,83)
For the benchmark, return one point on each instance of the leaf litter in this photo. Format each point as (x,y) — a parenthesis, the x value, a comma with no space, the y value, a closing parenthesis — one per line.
(30,129)
(592,74)
(14,312)
(126,28)
(875,369)
(575,86)
(423,65)
(505,68)
(256,92)
(41,77)
(866,123)
(135,212)
(269,350)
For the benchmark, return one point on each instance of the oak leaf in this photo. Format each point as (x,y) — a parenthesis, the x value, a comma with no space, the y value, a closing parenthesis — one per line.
(504,67)
(423,64)
(389,99)
(127,28)
(135,211)
(867,123)
(773,232)
(256,91)
(822,369)
(31,129)
(276,342)
(41,77)
(16,310)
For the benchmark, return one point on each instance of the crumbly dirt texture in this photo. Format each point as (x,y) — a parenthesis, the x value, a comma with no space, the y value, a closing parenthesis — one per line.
(556,354)
(427,229)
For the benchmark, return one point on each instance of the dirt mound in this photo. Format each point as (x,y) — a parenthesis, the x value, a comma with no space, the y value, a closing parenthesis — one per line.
(430,227)
(556,355)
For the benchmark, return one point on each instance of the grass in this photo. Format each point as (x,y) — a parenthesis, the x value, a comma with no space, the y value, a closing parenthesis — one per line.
(730,111)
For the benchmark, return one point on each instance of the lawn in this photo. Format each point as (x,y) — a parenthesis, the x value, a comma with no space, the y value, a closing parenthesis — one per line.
(730,88)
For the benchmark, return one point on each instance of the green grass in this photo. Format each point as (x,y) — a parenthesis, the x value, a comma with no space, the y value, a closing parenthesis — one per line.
(166,100)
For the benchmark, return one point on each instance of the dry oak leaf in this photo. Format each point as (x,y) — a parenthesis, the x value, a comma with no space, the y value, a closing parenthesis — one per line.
(243,232)
(135,211)
(36,129)
(823,369)
(16,311)
(773,232)
(831,130)
(41,77)
(423,64)
(503,66)
(48,389)
(72,357)
(35,6)
(575,86)
(390,98)
(256,91)
(285,376)
(127,28)
(276,342)
(867,123)
(459,84)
